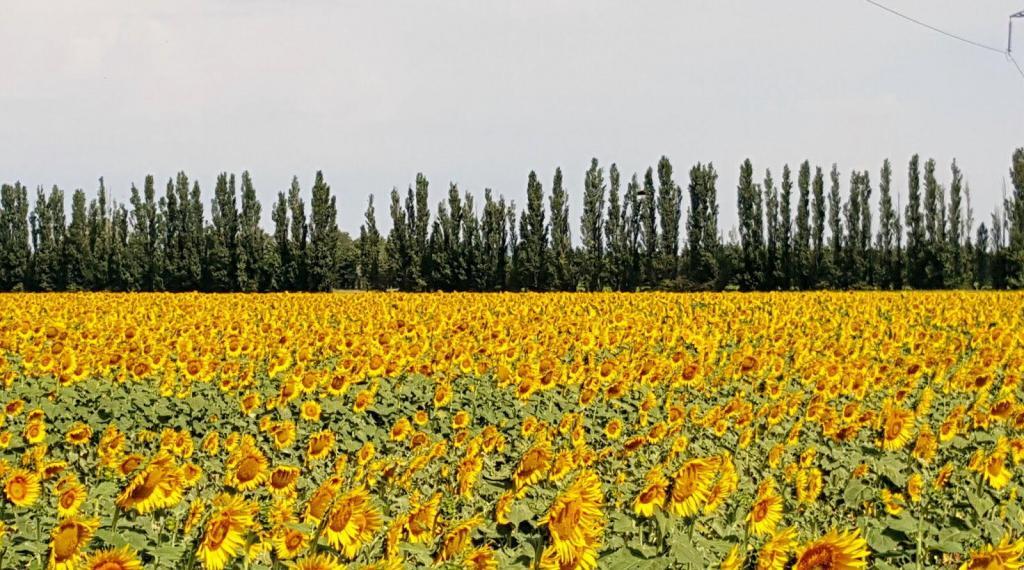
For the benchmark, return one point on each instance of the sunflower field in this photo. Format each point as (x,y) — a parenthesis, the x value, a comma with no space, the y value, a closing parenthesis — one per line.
(483,431)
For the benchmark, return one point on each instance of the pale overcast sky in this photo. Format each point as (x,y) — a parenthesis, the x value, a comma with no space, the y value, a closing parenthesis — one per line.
(480,92)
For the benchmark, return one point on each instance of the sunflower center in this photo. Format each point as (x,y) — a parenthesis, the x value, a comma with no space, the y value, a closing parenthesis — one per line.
(218,532)
(817,558)
(17,488)
(65,543)
(109,566)
(248,469)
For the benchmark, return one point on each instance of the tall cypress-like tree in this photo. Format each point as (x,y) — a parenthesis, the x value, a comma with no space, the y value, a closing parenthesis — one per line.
(885,243)
(615,233)
(592,226)
(852,269)
(48,232)
(648,221)
(819,265)
(802,253)
(297,269)
(786,227)
(773,263)
(253,270)
(702,225)
(421,235)
(1015,221)
(282,243)
(219,265)
(99,239)
(955,234)
(77,255)
(631,213)
(561,242)
(916,246)
(533,237)
(835,227)
(369,249)
(398,246)
(935,229)
(145,249)
(494,242)
(670,202)
(14,236)
(323,237)
(748,205)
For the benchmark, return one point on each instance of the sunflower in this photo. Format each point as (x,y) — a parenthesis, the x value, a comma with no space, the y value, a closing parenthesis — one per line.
(897,428)
(317,562)
(613,429)
(766,512)
(310,411)
(481,558)
(808,485)
(733,561)
(79,434)
(320,444)
(246,468)
(776,552)
(158,486)
(652,498)
(224,535)
(457,539)
(282,479)
(533,467)
(575,521)
(68,539)
(35,432)
(113,559)
(692,485)
(1006,555)
(22,487)
(422,517)
(352,522)
(835,550)
(70,497)
(289,542)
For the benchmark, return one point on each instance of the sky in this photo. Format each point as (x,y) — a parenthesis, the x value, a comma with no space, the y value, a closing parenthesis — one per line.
(481,92)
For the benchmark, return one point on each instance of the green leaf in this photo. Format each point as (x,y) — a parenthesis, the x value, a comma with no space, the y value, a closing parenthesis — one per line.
(981,503)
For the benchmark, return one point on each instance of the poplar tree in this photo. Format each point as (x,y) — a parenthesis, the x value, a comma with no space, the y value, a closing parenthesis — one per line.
(145,261)
(702,224)
(615,233)
(852,269)
(631,213)
(748,205)
(297,269)
(533,235)
(420,236)
(885,243)
(916,253)
(835,227)
(369,249)
(1015,220)
(323,236)
(786,227)
(561,241)
(592,226)
(77,255)
(773,263)
(253,270)
(279,215)
(802,244)
(819,265)
(956,234)
(99,240)
(220,264)
(670,201)
(934,228)
(494,242)
(648,222)
(14,236)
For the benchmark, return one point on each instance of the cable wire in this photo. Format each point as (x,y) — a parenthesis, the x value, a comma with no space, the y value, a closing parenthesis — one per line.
(934,29)
(1013,60)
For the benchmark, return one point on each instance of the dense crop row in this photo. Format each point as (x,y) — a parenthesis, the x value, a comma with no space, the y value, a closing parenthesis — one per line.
(511,430)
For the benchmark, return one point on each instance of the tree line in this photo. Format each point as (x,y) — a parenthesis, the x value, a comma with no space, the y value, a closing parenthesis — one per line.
(802,231)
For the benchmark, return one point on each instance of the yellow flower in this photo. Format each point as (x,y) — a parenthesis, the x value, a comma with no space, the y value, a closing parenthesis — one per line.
(224,535)
(113,559)
(691,486)
(68,539)
(575,522)
(352,522)
(836,551)
(1006,555)
(766,512)
(158,486)
(22,488)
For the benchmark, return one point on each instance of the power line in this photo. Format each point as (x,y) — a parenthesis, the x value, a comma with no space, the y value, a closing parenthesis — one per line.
(1013,60)
(934,29)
